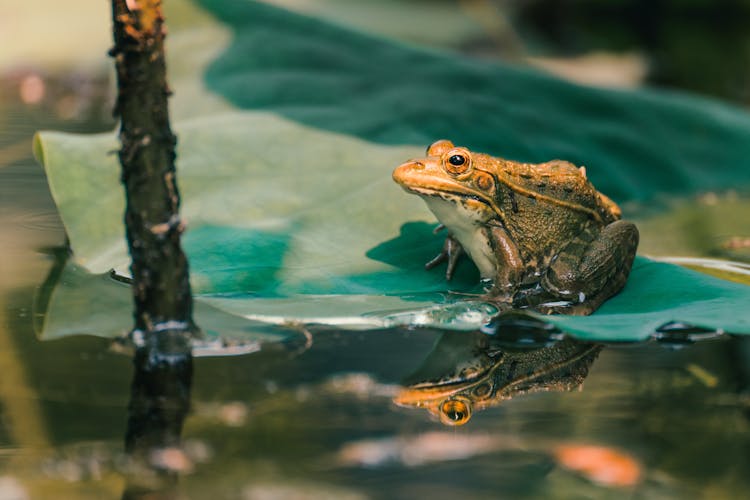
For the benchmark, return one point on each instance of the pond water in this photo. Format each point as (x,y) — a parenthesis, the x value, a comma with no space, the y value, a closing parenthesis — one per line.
(317,417)
(321,422)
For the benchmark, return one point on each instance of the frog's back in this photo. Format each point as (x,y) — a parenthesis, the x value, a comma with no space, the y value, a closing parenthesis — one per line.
(559,182)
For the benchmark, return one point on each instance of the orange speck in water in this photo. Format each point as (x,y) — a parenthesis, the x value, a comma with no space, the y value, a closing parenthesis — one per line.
(600,464)
(32,89)
(172,459)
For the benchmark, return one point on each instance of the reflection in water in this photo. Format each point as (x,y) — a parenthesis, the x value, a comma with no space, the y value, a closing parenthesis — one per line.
(159,403)
(466,372)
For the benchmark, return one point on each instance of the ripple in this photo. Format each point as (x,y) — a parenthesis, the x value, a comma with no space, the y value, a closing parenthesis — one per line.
(39,221)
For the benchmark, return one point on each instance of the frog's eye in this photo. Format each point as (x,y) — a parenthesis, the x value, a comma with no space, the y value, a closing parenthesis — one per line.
(454,412)
(457,161)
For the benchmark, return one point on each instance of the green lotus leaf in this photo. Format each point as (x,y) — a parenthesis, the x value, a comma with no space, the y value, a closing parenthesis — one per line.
(287,139)
(635,144)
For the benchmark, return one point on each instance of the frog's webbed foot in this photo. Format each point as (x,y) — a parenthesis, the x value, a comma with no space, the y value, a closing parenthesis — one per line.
(569,308)
(451,253)
(542,301)
(488,295)
(530,296)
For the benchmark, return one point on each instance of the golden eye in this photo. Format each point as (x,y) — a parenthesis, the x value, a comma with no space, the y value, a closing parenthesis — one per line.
(454,412)
(457,161)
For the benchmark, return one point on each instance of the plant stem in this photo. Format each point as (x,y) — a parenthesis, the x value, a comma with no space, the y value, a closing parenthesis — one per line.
(161,289)
(163,304)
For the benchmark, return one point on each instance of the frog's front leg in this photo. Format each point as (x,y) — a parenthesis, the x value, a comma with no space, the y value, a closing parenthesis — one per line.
(508,265)
(589,270)
(451,253)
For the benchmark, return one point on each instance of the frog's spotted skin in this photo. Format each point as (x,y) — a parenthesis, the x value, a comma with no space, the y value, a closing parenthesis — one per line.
(541,232)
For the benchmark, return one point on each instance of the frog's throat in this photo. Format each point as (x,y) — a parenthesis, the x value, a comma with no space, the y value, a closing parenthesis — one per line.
(454,192)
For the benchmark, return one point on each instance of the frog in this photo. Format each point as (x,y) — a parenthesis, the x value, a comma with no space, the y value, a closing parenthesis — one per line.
(540,234)
(467,372)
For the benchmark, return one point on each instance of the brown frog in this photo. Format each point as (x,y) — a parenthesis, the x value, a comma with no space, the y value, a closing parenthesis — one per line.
(541,235)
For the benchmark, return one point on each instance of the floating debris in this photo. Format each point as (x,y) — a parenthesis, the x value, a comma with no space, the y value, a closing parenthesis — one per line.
(361,385)
(172,459)
(12,489)
(736,243)
(419,450)
(302,491)
(32,89)
(233,413)
(600,464)
(702,375)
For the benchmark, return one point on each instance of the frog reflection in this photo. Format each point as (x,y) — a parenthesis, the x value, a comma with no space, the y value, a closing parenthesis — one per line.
(467,372)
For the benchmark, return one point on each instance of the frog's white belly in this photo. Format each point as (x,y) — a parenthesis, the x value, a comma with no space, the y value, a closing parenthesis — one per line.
(466,226)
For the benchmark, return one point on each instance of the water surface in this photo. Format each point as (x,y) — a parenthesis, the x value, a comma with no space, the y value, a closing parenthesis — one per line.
(316,418)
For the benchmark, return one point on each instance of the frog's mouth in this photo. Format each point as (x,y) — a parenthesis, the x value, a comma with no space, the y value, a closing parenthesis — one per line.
(467,197)
(422,178)
(421,394)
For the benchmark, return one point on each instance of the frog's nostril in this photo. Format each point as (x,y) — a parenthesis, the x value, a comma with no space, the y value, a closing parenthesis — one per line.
(409,166)
(404,172)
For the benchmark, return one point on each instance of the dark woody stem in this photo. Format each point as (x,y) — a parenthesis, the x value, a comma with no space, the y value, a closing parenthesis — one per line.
(161,289)
(163,305)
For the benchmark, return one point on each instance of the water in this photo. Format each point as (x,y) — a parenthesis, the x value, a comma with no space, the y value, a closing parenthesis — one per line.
(316,418)
(322,424)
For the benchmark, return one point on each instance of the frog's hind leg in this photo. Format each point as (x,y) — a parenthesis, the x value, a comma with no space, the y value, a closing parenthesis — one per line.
(589,271)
